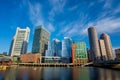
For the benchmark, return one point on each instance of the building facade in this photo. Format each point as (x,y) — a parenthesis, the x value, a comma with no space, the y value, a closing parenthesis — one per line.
(30,58)
(54,48)
(67,49)
(49,51)
(94,45)
(103,50)
(79,53)
(53,53)
(117,51)
(40,41)
(108,46)
(20,42)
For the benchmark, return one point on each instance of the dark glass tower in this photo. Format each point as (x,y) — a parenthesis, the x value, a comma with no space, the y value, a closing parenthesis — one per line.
(40,42)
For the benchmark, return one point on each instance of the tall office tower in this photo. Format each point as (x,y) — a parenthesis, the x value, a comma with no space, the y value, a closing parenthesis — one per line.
(103,50)
(57,47)
(67,50)
(117,51)
(40,42)
(108,46)
(54,48)
(20,42)
(49,51)
(79,53)
(94,46)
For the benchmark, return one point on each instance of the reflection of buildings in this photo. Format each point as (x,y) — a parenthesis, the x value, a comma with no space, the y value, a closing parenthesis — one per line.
(11,75)
(66,50)
(94,46)
(40,42)
(79,53)
(80,74)
(59,73)
(108,46)
(29,73)
(19,42)
(117,51)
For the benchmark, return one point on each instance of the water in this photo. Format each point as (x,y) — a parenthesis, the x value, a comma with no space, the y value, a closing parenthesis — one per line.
(59,73)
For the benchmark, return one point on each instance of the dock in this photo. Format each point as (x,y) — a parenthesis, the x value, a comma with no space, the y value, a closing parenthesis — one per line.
(47,64)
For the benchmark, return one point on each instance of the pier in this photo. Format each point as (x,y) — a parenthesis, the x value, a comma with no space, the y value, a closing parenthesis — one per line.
(46,64)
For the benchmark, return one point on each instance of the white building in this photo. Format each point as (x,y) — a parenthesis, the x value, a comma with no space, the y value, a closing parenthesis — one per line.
(20,42)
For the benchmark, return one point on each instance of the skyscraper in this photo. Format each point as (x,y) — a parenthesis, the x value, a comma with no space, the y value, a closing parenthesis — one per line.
(19,42)
(57,47)
(49,51)
(94,46)
(117,51)
(108,46)
(79,53)
(40,42)
(54,48)
(103,50)
(67,49)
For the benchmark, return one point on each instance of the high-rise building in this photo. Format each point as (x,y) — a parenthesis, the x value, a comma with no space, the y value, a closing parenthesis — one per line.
(20,42)
(79,53)
(57,47)
(108,46)
(40,42)
(54,48)
(117,51)
(67,49)
(102,50)
(89,55)
(94,45)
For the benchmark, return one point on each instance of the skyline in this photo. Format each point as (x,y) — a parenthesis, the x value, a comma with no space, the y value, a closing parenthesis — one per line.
(61,18)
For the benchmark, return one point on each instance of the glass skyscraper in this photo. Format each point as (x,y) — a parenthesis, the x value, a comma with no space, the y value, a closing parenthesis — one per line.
(54,48)
(66,50)
(20,42)
(66,47)
(40,42)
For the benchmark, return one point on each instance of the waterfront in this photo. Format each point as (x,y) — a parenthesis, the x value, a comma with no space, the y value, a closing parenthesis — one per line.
(59,73)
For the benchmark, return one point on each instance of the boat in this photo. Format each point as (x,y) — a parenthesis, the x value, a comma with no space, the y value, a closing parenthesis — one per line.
(2,67)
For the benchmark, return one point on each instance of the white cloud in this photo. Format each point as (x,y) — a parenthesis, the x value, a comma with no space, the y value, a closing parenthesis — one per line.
(35,14)
(107,4)
(50,27)
(116,47)
(57,7)
(108,25)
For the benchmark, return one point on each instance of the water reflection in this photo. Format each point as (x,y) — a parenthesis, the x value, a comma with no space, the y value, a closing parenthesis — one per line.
(59,73)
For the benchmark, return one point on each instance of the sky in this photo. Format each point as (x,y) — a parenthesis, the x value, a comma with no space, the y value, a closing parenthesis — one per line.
(61,18)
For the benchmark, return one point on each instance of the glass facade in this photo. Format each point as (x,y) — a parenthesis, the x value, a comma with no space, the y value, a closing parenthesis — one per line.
(40,42)
(79,53)
(54,48)
(67,47)
(80,50)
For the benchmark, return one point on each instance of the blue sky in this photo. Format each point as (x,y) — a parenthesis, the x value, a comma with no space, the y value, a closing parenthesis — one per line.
(61,17)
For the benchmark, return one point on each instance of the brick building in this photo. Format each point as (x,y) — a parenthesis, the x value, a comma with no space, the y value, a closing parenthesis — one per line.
(30,58)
